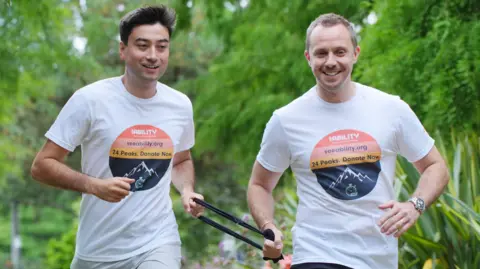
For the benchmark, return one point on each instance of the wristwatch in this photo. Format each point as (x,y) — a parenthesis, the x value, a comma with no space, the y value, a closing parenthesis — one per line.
(418,203)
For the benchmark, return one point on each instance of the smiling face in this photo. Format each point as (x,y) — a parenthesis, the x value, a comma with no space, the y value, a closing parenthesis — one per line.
(146,54)
(331,56)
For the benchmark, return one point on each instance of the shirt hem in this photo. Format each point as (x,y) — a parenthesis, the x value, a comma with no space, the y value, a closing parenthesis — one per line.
(125,256)
(268,166)
(323,260)
(59,142)
(190,146)
(424,152)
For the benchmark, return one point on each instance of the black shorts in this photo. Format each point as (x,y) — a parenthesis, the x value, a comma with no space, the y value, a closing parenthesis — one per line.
(319,265)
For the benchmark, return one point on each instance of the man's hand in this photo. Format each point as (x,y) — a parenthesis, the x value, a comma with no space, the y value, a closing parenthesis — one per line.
(112,189)
(190,206)
(399,218)
(273,249)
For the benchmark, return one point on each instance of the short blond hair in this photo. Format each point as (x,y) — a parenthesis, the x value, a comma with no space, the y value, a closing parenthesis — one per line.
(329,20)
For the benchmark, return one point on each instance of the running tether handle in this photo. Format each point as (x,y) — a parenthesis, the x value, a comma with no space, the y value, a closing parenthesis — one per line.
(267,234)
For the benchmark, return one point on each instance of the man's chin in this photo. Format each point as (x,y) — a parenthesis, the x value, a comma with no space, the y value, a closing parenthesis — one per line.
(149,77)
(332,87)
(156,76)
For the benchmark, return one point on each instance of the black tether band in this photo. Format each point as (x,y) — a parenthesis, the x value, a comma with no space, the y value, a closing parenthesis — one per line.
(268,234)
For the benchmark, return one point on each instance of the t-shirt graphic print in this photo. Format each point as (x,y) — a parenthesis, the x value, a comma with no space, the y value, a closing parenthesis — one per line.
(346,164)
(143,153)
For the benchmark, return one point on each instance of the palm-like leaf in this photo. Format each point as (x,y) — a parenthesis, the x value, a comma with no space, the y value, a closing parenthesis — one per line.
(449,231)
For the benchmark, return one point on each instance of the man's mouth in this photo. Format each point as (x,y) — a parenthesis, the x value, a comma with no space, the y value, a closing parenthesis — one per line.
(150,66)
(331,74)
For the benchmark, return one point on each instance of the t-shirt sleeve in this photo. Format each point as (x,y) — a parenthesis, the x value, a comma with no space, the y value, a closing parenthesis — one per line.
(413,141)
(72,123)
(274,152)
(187,139)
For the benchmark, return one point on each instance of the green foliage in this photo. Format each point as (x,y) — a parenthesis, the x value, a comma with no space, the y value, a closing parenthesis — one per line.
(428,53)
(33,48)
(37,227)
(449,231)
(60,251)
(36,53)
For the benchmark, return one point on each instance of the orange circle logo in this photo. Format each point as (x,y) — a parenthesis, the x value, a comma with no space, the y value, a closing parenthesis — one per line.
(346,163)
(143,153)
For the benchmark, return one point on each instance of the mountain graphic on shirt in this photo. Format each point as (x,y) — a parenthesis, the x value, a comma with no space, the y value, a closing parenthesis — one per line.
(347,173)
(141,170)
(141,173)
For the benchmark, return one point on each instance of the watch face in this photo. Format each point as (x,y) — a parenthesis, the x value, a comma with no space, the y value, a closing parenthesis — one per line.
(420,204)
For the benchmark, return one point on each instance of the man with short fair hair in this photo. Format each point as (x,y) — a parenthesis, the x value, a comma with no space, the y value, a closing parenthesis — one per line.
(341,140)
(135,135)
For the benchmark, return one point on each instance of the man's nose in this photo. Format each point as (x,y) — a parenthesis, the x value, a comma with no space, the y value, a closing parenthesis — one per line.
(331,60)
(152,55)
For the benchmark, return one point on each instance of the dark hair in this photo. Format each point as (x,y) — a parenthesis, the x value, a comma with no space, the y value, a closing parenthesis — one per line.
(329,20)
(147,15)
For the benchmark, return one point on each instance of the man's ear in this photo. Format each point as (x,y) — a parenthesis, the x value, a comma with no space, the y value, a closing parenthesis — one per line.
(307,56)
(121,50)
(356,53)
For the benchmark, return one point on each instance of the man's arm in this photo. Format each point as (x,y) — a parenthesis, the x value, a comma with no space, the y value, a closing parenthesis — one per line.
(183,178)
(49,168)
(259,194)
(183,175)
(261,204)
(434,177)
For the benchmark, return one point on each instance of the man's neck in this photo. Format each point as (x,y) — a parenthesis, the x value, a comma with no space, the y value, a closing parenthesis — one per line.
(338,96)
(139,88)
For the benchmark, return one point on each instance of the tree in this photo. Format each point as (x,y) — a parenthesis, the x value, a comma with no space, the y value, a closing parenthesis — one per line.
(38,58)
(428,53)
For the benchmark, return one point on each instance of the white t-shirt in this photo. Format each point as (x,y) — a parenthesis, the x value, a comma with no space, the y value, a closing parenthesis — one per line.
(124,136)
(343,157)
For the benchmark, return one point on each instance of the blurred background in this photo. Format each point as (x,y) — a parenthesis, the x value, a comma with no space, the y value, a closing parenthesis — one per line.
(238,60)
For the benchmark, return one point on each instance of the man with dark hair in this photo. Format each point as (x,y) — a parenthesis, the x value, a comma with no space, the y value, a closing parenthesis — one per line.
(135,135)
(341,140)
